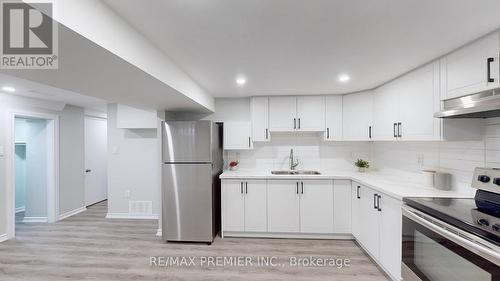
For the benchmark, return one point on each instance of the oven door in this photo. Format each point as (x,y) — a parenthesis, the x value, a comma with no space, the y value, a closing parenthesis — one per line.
(436,251)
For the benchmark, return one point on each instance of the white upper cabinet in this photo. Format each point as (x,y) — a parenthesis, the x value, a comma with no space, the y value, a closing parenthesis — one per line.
(404,108)
(333,118)
(386,101)
(282,114)
(260,119)
(357,116)
(419,100)
(304,113)
(237,135)
(311,113)
(465,71)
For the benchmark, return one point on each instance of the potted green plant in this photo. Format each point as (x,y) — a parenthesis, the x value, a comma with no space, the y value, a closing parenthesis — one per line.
(362,165)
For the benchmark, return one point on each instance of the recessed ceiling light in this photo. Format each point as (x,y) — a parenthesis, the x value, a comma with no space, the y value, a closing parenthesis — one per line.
(343,78)
(240,81)
(8,89)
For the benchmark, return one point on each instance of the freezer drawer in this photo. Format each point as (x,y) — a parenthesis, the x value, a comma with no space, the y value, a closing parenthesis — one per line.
(187,194)
(187,141)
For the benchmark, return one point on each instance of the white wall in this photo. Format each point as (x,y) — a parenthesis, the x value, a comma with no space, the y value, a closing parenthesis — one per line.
(71,159)
(133,167)
(457,158)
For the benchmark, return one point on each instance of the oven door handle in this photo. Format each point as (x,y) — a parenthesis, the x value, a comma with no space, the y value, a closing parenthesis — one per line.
(462,238)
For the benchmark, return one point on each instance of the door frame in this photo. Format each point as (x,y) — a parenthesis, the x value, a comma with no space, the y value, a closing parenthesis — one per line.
(52,166)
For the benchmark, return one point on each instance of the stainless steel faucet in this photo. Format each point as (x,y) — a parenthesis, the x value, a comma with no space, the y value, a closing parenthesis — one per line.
(293,162)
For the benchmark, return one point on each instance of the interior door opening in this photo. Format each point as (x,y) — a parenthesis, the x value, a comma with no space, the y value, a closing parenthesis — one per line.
(96,177)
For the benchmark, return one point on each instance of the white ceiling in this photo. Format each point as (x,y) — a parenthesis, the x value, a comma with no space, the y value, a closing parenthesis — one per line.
(299,46)
(25,88)
(88,69)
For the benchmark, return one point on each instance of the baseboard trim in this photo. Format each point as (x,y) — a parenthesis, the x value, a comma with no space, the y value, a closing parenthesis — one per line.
(159,232)
(131,216)
(288,235)
(20,209)
(4,237)
(72,213)
(35,219)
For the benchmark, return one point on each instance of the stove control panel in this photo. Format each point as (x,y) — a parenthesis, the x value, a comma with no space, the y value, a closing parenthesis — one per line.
(487,179)
(487,222)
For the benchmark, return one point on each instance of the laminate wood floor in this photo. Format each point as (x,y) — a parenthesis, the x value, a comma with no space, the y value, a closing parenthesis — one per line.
(89,247)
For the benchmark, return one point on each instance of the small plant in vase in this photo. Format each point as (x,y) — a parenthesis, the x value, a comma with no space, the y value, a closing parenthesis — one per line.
(233,165)
(362,165)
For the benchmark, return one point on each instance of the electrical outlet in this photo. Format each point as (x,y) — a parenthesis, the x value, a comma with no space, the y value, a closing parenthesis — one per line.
(127,193)
(420,159)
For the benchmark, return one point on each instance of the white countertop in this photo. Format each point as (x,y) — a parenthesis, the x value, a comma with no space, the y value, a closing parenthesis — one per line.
(393,186)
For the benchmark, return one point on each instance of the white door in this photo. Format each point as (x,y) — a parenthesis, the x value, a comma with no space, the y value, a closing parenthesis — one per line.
(390,235)
(419,100)
(311,113)
(96,177)
(260,119)
(333,118)
(386,111)
(369,222)
(282,114)
(283,206)
(316,206)
(233,200)
(237,135)
(255,206)
(357,116)
(342,206)
(356,210)
(466,69)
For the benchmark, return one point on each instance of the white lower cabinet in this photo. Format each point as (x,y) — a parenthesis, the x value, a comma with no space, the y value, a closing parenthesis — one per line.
(316,206)
(376,225)
(244,205)
(283,206)
(342,206)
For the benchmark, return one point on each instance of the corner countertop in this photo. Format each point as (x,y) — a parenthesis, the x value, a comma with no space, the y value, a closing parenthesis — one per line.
(391,185)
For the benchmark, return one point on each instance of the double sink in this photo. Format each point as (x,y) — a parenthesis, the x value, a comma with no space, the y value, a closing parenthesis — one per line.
(296,172)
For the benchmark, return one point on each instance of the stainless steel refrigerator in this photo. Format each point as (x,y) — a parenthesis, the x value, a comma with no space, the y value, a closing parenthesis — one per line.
(192,164)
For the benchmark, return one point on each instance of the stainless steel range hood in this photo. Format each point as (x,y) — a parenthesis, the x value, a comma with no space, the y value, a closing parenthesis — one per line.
(481,105)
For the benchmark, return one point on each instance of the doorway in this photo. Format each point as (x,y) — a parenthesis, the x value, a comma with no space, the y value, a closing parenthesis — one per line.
(96,177)
(32,169)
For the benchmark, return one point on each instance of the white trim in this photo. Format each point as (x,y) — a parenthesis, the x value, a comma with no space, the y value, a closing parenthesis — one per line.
(289,235)
(52,165)
(20,209)
(159,232)
(130,216)
(3,237)
(35,219)
(72,213)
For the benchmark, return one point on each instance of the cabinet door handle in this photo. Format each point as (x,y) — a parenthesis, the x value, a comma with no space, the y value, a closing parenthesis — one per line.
(370,132)
(241,185)
(400,133)
(375,196)
(246,187)
(249,142)
(357,192)
(294,123)
(378,203)
(488,62)
(267,134)
(302,187)
(299,123)
(394,130)
(297,187)
(327,133)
